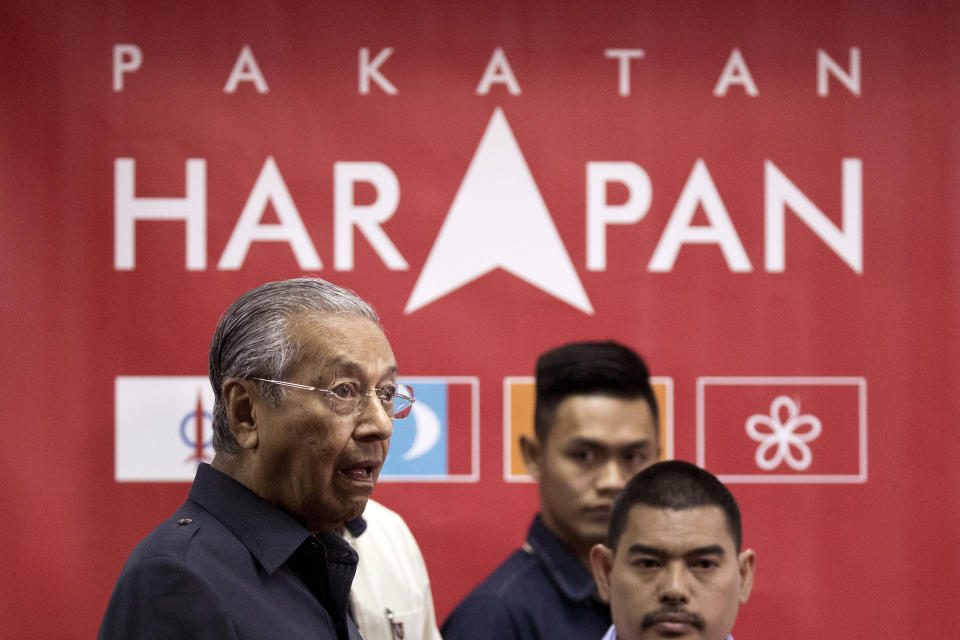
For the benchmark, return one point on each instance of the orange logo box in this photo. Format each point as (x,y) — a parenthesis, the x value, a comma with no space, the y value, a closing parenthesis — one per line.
(518,402)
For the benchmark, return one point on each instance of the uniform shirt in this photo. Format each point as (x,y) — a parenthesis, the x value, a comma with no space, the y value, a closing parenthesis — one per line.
(391,591)
(229,565)
(541,592)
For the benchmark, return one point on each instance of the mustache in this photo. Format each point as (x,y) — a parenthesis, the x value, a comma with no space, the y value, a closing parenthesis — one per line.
(672,614)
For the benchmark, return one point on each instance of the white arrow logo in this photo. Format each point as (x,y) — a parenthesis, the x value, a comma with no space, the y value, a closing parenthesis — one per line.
(498,219)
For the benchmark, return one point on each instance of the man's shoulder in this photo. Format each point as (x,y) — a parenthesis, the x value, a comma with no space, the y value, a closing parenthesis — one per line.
(498,606)
(524,598)
(516,601)
(512,581)
(190,532)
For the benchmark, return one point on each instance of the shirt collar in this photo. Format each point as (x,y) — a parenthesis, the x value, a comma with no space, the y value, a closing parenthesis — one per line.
(356,526)
(560,562)
(268,532)
(612,634)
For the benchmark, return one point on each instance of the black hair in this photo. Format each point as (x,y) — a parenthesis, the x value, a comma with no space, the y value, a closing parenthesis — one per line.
(579,368)
(674,484)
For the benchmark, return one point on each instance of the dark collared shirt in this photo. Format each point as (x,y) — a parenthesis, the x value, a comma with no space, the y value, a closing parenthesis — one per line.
(229,565)
(541,592)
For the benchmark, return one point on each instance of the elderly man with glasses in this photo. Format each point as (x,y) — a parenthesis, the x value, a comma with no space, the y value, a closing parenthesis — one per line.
(306,395)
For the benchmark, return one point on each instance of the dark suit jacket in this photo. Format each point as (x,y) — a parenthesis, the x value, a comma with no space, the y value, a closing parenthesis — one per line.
(228,565)
(540,592)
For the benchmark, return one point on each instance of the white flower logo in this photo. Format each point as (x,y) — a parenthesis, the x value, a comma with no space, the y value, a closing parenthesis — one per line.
(784,436)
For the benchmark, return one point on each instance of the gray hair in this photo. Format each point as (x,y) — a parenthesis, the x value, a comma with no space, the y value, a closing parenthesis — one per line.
(252,339)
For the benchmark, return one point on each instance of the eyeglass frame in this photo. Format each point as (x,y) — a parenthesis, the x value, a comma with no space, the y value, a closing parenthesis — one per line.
(332,397)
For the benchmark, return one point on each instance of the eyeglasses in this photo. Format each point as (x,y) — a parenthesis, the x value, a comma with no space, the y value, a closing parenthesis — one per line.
(346,398)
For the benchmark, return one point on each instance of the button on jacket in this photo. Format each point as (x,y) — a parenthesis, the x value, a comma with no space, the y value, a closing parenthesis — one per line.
(229,565)
(541,592)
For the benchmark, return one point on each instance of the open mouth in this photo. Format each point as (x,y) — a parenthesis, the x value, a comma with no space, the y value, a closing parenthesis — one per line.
(362,472)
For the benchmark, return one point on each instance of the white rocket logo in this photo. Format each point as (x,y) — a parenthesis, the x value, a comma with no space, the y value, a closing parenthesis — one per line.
(498,219)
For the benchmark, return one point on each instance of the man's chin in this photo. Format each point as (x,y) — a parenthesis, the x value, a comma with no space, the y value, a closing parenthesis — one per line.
(592,534)
(334,517)
(356,507)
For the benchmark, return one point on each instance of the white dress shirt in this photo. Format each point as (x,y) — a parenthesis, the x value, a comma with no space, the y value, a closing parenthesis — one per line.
(391,592)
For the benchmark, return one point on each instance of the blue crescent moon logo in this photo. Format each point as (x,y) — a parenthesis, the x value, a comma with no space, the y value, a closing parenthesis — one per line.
(428,431)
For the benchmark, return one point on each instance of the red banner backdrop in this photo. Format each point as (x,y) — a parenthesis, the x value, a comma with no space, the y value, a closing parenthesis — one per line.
(760,198)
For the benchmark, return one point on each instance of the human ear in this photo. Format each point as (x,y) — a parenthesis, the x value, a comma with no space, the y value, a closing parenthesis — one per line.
(601,563)
(238,398)
(747,564)
(530,448)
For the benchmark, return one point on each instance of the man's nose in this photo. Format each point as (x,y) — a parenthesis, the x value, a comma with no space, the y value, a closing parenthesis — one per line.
(375,422)
(674,586)
(612,476)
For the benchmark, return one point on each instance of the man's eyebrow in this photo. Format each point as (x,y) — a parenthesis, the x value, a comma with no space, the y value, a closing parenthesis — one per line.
(649,550)
(341,367)
(638,444)
(638,549)
(597,444)
(708,550)
(585,442)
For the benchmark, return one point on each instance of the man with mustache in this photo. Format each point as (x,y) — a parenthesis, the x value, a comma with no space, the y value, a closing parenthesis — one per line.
(306,394)
(595,425)
(674,566)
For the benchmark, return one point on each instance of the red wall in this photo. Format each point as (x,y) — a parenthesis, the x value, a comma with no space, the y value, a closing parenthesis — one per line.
(857,544)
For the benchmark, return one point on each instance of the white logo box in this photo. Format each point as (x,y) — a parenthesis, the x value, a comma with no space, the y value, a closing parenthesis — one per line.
(156,426)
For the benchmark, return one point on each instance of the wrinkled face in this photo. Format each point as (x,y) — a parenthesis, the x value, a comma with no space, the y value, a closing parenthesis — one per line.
(312,462)
(675,574)
(596,444)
